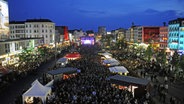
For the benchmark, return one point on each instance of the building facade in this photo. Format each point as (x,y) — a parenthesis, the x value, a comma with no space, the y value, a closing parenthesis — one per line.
(17,29)
(102,30)
(175,32)
(137,37)
(4,20)
(181,36)
(134,34)
(119,34)
(11,47)
(150,34)
(163,35)
(33,28)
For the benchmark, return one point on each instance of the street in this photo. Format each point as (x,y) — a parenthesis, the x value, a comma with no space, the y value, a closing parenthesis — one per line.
(16,88)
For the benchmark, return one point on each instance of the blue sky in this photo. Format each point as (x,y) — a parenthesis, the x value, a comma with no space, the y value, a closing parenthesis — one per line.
(89,14)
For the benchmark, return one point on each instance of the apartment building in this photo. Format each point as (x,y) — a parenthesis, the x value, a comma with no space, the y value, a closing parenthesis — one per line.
(33,28)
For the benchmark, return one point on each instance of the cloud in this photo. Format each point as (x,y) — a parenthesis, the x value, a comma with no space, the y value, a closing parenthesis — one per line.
(91,11)
(172,12)
(151,11)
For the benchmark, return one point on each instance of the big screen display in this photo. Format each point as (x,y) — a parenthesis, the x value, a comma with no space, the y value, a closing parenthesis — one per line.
(87,40)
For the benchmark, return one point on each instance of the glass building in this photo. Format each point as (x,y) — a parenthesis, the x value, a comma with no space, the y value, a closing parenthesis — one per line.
(175,33)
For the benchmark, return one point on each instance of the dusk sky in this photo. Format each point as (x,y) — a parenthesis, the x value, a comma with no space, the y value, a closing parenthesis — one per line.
(89,14)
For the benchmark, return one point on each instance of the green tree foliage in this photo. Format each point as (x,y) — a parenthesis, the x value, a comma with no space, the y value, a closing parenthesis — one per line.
(181,64)
(175,59)
(161,57)
(149,52)
(121,43)
(26,55)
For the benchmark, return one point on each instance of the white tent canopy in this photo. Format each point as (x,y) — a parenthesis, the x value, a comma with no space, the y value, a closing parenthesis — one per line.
(50,84)
(37,90)
(62,61)
(111,62)
(106,55)
(118,69)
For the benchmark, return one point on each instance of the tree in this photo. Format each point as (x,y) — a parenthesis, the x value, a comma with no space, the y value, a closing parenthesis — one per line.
(149,52)
(161,57)
(175,59)
(140,50)
(181,63)
(26,59)
(26,55)
(43,53)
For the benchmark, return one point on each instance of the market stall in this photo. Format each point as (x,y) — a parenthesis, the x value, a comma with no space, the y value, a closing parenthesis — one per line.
(61,62)
(119,69)
(106,55)
(62,73)
(138,86)
(111,62)
(36,91)
(72,56)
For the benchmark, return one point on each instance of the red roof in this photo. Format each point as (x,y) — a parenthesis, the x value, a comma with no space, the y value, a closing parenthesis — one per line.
(72,55)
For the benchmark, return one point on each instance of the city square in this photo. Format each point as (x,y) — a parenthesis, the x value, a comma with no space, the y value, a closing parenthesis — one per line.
(46,61)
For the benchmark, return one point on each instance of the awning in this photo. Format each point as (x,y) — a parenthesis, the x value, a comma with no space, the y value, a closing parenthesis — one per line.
(118,69)
(72,55)
(128,80)
(111,62)
(62,60)
(68,70)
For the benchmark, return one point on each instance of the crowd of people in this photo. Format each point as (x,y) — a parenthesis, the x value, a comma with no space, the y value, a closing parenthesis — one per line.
(91,85)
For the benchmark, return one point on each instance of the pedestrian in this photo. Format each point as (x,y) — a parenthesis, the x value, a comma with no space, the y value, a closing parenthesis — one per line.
(165,79)
(144,74)
(171,100)
(141,73)
(151,77)
(166,87)
(164,96)
(155,77)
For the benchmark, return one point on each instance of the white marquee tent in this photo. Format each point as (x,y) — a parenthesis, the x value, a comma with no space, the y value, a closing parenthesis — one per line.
(118,69)
(111,62)
(106,55)
(37,90)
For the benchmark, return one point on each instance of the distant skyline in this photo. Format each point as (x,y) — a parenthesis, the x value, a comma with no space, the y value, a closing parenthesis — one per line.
(89,14)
